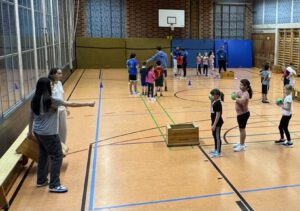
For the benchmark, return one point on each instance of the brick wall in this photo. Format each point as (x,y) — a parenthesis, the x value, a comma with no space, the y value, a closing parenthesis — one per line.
(142,18)
(81,26)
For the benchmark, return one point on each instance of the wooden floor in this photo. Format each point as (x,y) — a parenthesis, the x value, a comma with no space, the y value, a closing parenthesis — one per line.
(132,169)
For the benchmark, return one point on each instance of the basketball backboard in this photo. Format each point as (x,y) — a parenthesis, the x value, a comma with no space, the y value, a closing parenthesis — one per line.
(171,18)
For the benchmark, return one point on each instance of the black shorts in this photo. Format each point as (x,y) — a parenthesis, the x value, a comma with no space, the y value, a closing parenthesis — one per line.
(132,78)
(264,89)
(165,73)
(242,120)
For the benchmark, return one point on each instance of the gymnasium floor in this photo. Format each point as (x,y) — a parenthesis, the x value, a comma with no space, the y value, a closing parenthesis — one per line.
(130,167)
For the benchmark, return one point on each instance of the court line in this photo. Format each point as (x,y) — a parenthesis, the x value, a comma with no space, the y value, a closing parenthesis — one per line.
(227,180)
(95,157)
(165,111)
(157,126)
(197,197)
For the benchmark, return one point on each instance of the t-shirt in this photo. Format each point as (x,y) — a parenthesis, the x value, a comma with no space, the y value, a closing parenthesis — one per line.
(242,108)
(158,71)
(221,55)
(287,99)
(143,72)
(216,106)
(132,63)
(265,77)
(58,90)
(179,60)
(205,60)
(47,122)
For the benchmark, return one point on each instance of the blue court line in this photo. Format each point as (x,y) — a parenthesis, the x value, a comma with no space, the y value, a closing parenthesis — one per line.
(196,197)
(92,190)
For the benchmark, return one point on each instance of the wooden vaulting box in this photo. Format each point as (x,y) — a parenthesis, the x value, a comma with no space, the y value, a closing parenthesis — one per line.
(182,135)
(227,74)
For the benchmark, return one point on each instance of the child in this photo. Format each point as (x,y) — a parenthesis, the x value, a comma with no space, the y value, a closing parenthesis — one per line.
(216,120)
(150,81)
(132,65)
(179,64)
(243,114)
(205,64)
(159,78)
(265,81)
(286,116)
(143,73)
(198,63)
(211,62)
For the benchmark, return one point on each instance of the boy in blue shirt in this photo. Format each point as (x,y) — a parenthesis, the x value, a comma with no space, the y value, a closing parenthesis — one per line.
(132,65)
(222,58)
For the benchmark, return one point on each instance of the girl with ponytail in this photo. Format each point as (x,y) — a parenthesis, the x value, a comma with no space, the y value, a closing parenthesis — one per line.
(241,106)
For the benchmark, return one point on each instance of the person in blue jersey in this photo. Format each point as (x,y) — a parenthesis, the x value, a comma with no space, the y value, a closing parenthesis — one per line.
(132,66)
(163,58)
(175,54)
(222,58)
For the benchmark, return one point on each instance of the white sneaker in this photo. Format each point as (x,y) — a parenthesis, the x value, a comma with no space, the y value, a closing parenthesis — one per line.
(239,148)
(236,145)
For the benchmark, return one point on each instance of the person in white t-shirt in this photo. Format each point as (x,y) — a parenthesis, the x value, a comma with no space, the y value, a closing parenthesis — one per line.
(287,110)
(291,76)
(55,75)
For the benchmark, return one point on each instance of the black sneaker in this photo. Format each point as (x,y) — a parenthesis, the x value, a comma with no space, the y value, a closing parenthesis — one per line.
(288,144)
(280,141)
(42,184)
(166,88)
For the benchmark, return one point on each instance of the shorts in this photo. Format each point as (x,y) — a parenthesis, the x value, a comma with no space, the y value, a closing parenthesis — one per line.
(264,89)
(132,78)
(165,73)
(144,83)
(179,66)
(242,119)
(159,81)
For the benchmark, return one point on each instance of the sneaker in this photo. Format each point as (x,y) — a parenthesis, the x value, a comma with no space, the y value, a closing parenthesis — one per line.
(236,145)
(215,155)
(166,88)
(288,144)
(280,141)
(239,148)
(161,94)
(42,184)
(212,152)
(58,189)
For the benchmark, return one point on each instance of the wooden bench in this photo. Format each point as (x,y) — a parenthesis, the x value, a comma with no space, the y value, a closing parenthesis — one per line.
(11,164)
(182,135)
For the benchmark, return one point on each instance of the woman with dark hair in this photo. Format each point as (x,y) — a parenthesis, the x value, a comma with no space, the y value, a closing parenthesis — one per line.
(55,75)
(44,126)
(241,106)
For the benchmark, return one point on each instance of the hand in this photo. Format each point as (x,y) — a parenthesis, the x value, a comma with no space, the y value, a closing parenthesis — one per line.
(213,128)
(92,104)
(30,136)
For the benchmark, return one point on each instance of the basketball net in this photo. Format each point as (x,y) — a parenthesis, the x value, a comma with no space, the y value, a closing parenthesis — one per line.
(172,27)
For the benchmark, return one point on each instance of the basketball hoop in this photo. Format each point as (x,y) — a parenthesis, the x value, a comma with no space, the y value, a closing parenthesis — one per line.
(172,27)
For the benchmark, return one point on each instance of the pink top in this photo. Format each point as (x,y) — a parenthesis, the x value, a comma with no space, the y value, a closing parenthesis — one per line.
(241,104)
(205,60)
(198,60)
(211,59)
(150,77)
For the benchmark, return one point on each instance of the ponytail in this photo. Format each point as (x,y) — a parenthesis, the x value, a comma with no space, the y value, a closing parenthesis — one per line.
(217,92)
(246,83)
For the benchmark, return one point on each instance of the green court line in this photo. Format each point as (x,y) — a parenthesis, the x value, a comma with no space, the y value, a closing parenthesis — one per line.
(165,111)
(157,126)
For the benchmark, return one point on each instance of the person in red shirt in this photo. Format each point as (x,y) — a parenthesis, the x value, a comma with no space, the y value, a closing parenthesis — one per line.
(159,78)
(179,64)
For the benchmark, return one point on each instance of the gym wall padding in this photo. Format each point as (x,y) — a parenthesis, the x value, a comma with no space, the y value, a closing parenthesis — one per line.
(100,52)
(239,52)
(193,47)
(144,48)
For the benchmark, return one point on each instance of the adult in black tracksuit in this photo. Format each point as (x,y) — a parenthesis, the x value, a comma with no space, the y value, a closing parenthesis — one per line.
(222,58)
